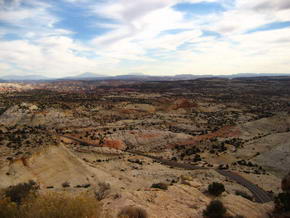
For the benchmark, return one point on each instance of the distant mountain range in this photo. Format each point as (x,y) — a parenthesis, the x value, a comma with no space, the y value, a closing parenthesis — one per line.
(87,75)
(139,77)
(23,77)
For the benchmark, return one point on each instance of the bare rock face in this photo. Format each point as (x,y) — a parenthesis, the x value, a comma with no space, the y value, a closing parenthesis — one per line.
(275,154)
(149,140)
(286,183)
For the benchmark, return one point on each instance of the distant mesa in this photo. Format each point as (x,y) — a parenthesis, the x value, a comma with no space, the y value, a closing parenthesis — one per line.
(137,77)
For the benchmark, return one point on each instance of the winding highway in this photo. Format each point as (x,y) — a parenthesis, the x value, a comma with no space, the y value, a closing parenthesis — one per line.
(259,194)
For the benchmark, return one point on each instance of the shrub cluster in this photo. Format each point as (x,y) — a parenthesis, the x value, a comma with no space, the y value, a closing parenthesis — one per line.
(216,188)
(65,184)
(161,185)
(215,209)
(103,191)
(282,200)
(23,200)
(132,212)
(18,193)
(52,205)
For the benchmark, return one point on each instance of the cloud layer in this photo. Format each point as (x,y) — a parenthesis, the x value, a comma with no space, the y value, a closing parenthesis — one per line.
(158,37)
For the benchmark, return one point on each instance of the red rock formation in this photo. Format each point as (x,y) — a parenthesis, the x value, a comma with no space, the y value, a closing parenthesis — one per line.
(116,144)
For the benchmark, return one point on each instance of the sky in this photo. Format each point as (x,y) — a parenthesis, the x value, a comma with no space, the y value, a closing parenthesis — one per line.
(58,38)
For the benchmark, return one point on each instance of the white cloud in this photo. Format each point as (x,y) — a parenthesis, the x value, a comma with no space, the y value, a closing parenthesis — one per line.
(53,55)
(140,29)
(248,15)
(36,15)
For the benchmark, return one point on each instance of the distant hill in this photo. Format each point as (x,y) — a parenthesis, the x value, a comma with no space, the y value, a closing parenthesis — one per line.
(139,77)
(257,75)
(23,77)
(86,76)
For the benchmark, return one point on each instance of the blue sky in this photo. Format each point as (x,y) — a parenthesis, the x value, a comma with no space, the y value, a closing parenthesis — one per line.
(199,8)
(271,26)
(59,38)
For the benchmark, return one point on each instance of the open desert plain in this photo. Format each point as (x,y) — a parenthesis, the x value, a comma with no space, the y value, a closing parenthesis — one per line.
(155,148)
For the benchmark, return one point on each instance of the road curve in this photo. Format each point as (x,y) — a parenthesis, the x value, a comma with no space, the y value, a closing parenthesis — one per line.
(80,141)
(259,194)
(170,163)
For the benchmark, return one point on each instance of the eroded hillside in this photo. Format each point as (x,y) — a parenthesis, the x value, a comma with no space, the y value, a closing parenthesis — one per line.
(74,136)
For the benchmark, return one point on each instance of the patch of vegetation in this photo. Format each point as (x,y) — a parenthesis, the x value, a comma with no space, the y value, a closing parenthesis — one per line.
(52,205)
(65,185)
(215,209)
(197,158)
(132,212)
(285,185)
(282,202)
(103,191)
(101,138)
(160,185)
(216,188)
(18,193)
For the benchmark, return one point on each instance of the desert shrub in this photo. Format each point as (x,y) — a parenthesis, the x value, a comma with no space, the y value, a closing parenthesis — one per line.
(132,212)
(282,202)
(52,205)
(197,158)
(216,188)
(215,209)
(101,138)
(65,185)
(161,185)
(21,191)
(103,191)
(285,184)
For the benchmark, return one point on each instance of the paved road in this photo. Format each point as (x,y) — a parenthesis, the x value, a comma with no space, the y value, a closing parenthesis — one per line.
(80,141)
(260,195)
(170,163)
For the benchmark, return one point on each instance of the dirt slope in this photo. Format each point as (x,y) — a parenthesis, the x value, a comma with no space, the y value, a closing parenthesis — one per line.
(50,167)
